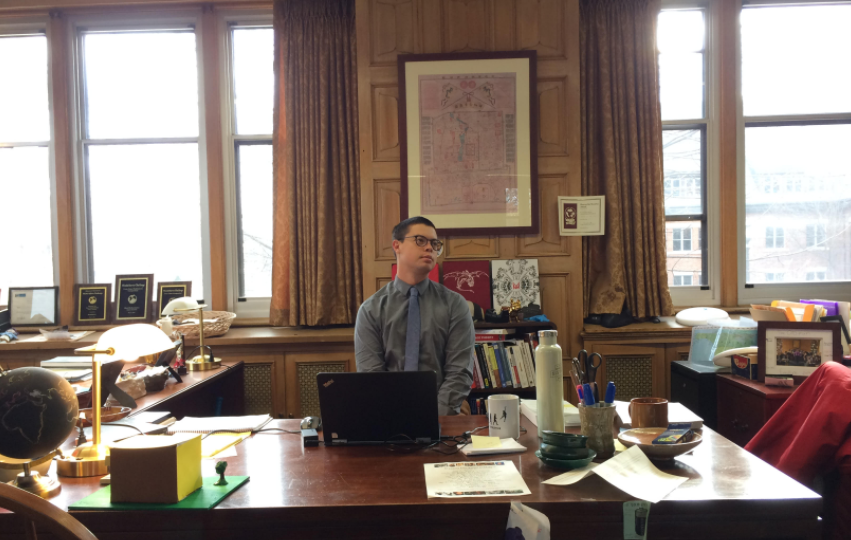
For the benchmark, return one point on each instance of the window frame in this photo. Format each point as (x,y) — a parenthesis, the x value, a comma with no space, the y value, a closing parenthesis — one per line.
(749,293)
(251,307)
(120,22)
(709,242)
(32,26)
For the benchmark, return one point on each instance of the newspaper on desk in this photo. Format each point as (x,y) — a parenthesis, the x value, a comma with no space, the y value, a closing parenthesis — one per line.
(474,479)
(630,471)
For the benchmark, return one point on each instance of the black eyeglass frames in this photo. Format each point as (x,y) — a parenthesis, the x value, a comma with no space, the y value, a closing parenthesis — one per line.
(421,241)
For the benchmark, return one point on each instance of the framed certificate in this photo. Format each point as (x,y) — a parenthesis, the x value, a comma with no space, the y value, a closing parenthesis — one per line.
(33,306)
(169,290)
(92,303)
(133,298)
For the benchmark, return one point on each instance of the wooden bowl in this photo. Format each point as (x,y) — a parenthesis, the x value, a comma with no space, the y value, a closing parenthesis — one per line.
(643,438)
(107,414)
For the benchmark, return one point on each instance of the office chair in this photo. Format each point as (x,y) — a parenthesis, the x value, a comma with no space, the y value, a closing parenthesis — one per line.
(36,510)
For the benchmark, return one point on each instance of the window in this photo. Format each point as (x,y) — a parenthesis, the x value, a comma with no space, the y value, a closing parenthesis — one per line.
(682,280)
(816,235)
(774,237)
(682,239)
(25,185)
(797,168)
(253,90)
(140,151)
(682,72)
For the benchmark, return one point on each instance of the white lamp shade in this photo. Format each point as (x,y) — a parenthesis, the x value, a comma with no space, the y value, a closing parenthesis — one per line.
(181,305)
(134,340)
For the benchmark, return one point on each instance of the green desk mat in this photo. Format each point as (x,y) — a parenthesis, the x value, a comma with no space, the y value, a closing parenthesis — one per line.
(206,497)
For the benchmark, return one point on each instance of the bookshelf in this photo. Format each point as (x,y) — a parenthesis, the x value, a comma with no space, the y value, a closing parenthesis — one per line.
(519,329)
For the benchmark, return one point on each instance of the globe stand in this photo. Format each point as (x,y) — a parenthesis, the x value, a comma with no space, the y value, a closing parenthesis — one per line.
(36,484)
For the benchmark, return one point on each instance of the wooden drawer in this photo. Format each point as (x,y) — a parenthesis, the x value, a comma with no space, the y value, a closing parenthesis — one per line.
(685,391)
(740,414)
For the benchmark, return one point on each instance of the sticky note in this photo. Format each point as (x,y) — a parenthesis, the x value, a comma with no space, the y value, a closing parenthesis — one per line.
(486,442)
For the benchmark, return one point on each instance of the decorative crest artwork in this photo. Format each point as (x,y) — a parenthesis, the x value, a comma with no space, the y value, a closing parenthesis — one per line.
(517,280)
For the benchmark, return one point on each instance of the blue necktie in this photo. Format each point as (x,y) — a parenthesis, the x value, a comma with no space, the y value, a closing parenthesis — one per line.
(412,336)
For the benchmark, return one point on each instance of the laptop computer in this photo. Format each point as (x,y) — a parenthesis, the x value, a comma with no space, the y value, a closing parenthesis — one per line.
(378,407)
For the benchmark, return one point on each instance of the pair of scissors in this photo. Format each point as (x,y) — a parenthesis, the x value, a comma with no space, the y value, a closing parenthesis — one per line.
(579,371)
(589,364)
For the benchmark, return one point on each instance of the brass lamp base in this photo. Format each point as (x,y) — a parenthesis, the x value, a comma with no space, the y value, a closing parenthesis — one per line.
(87,460)
(36,484)
(203,363)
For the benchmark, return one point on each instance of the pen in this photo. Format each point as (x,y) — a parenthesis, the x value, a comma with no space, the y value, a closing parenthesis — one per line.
(589,395)
(579,393)
(610,392)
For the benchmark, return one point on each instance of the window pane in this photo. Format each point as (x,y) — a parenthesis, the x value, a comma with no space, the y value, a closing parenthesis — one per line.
(682,162)
(795,60)
(254,84)
(141,84)
(27,256)
(685,258)
(146,218)
(816,219)
(24,109)
(255,220)
(680,36)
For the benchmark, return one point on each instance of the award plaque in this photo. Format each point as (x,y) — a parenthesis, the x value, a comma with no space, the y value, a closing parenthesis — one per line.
(169,290)
(133,298)
(92,303)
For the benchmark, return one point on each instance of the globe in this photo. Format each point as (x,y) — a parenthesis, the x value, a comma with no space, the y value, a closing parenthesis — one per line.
(38,410)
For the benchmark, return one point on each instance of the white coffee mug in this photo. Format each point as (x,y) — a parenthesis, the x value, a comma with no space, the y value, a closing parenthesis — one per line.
(504,416)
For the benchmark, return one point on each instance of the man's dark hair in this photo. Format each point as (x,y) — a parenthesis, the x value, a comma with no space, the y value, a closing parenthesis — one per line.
(401,229)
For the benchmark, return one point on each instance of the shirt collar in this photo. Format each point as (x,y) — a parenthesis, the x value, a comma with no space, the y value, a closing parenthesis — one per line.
(403,287)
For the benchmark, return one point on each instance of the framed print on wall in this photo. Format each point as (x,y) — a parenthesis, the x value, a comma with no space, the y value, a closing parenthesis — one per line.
(468,141)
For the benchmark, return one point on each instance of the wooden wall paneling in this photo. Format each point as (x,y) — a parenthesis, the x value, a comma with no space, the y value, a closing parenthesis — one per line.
(393,30)
(472,248)
(549,243)
(387,215)
(504,27)
(293,387)
(60,79)
(541,25)
(552,118)
(365,47)
(381,282)
(468,25)
(215,164)
(385,122)
(558,308)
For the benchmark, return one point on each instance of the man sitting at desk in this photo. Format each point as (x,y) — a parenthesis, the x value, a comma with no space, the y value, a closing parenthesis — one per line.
(413,323)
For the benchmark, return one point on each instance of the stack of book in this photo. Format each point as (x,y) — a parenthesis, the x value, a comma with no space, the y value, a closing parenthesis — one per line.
(503,359)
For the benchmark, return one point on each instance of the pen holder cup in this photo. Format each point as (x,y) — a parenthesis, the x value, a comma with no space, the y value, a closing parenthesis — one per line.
(597,424)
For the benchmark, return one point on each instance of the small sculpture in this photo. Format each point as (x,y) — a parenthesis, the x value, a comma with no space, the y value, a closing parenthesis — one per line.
(514,313)
(220,469)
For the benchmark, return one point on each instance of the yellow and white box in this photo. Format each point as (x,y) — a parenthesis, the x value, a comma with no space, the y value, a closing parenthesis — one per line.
(155,469)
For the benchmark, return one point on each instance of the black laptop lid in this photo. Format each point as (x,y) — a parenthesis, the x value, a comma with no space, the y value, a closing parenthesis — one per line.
(378,407)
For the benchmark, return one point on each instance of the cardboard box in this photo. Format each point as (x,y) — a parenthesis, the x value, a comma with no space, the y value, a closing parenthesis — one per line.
(155,469)
(744,366)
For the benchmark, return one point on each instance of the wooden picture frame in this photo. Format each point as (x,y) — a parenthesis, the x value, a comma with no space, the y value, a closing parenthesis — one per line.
(92,304)
(41,298)
(129,290)
(768,334)
(468,129)
(169,290)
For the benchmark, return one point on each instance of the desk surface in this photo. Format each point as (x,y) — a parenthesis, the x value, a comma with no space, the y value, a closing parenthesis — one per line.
(372,492)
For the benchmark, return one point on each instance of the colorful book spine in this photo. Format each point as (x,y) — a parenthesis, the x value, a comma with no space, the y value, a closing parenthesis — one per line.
(494,368)
(483,369)
(517,358)
(504,373)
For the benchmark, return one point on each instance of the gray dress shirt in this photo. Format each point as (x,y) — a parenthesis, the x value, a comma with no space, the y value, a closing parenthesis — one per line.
(446,337)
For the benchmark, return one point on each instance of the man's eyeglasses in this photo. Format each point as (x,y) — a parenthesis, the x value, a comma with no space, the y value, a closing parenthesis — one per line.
(422,241)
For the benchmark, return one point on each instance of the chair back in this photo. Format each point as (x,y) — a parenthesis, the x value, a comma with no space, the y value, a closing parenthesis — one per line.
(37,511)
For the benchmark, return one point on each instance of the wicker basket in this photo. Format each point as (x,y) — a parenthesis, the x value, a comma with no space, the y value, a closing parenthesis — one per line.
(216,323)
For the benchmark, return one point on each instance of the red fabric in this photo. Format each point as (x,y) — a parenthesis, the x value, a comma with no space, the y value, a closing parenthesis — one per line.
(809,434)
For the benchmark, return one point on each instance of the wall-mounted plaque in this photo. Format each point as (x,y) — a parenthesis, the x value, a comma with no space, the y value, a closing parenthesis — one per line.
(92,303)
(133,298)
(33,306)
(169,290)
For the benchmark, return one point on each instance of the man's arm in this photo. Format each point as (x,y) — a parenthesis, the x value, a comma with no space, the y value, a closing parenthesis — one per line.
(369,349)
(458,366)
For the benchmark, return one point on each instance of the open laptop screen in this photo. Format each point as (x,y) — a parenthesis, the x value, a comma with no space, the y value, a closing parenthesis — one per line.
(378,407)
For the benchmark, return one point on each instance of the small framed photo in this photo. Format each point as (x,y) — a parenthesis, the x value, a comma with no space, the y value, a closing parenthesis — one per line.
(33,306)
(796,348)
(93,303)
(169,290)
(133,298)
(582,216)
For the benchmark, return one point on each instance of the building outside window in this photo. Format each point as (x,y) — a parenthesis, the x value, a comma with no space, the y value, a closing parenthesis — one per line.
(682,239)
(774,237)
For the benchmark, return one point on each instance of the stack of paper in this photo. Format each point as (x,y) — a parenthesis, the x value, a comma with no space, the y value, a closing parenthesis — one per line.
(528,408)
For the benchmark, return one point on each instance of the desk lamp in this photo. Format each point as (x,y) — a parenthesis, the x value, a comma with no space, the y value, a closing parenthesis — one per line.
(122,343)
(202,362)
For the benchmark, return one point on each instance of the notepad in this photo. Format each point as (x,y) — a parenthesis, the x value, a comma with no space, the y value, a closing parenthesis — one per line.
(236,424)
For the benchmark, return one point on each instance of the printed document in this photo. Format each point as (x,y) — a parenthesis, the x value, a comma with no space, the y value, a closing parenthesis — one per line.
(474,479)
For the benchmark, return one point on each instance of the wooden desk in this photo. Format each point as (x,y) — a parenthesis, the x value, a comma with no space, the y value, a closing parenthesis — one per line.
(371,492)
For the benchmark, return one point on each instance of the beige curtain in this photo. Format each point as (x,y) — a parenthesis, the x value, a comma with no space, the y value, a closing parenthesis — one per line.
(316,268)
(622,158)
